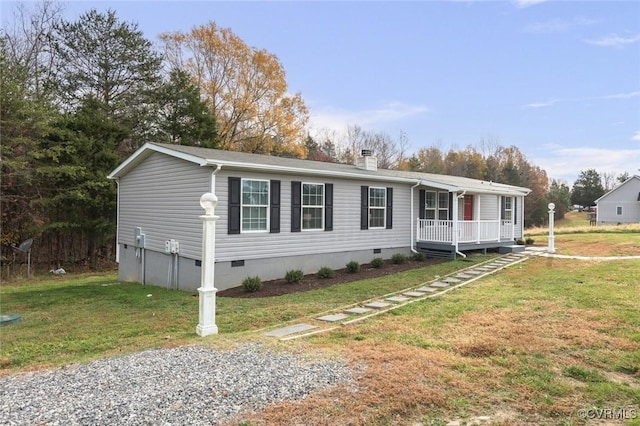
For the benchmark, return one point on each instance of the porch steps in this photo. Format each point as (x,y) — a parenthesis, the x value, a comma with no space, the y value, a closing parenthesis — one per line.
(340,317)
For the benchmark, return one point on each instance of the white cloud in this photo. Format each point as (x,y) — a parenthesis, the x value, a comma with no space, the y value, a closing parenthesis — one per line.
(527,3)
(636,136)
(567,163)
(559,25)
(338,119)
(627,95)
(615,40)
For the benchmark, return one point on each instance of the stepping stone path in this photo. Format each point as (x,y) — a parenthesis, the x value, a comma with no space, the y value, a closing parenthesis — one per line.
(373,307)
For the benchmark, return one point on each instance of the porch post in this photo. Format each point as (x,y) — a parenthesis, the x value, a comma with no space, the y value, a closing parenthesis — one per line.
(456,224)
(207,291)
(499,216)
(477,217)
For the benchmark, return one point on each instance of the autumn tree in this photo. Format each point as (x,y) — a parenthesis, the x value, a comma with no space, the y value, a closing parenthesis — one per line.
(245,89)
(560,195)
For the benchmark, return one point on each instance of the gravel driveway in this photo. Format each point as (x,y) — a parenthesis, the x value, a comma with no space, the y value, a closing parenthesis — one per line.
(179,386)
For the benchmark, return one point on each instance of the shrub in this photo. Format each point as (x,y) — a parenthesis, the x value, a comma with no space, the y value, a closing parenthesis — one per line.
(398,258)
(326,272)
(520,242)
(353,267)
(294,276)
(419,257)
(377,262)
(252,284)
(529,241)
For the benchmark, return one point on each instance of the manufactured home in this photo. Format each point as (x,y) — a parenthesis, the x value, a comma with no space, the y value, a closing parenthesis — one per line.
(277,214)
(621,204)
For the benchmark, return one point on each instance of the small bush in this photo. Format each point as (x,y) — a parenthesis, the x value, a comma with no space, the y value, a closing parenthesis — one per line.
(353,267)
(326,272)
(252,284)
(529,241)
(520,242)
(294,276)
(398,258)
(377,262)
(419,257)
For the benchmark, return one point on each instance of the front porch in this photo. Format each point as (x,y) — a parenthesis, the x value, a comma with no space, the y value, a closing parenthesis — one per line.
(445,238)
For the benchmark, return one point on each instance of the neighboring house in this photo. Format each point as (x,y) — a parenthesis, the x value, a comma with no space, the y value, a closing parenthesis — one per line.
(621,204)
(278,214)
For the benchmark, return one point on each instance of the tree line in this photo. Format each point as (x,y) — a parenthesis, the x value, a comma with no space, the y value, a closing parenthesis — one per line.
(78,97)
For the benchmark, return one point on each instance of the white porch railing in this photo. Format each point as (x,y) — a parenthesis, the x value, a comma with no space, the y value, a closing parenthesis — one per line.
(468,231)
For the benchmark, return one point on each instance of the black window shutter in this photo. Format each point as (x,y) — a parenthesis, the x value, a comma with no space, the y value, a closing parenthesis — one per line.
(274,206)
(296,206)
(328,207)
(233,220)
(515,210)
(451,205)
(364,207)
(389,208)
(503,207)
(422,200)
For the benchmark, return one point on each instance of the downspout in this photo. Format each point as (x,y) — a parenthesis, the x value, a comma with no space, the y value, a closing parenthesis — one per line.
(411,245)
(118,220)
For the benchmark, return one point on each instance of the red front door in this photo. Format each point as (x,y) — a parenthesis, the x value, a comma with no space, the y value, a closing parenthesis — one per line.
(468,207)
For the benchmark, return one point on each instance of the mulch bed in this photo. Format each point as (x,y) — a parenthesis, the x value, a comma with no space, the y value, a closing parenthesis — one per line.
(312,281)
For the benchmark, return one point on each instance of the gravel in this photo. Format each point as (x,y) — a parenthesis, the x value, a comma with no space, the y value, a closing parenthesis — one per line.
(186,385)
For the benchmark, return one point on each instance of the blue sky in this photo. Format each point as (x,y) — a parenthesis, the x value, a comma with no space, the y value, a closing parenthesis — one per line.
(558,79)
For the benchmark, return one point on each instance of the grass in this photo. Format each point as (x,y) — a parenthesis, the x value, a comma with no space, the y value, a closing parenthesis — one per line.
(531,345)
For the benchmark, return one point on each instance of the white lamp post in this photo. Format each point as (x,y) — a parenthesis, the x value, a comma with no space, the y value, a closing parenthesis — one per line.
(552,243)
(207,316)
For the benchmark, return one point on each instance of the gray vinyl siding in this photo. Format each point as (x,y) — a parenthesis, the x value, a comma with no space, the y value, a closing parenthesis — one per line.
(162,196)
(489,206)
(346,235)
(625,196)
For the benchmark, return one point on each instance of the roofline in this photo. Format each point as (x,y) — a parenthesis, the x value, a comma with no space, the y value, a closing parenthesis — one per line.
(148,148)
(606,194)
(139,155)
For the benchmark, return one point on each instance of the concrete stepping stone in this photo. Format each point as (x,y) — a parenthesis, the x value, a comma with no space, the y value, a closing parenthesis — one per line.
(358,311)
(463,276)
(377,305)
(427,289)
(292,329)
(333,317)
(473,272)
(414,293)
(451,280)
(492,266)
(398,299)
(439,284)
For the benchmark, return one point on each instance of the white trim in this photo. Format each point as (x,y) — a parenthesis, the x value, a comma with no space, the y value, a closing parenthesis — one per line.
(141,154)
(242,206)
(383,208)
(320,207)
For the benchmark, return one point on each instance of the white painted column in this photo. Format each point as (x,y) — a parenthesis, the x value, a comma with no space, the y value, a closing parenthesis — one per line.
(207,291)
(552,243)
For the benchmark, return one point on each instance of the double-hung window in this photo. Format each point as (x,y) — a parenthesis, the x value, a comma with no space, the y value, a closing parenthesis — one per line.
(619,210)
(255,205)
(443,206)
(430,205)
(312,206)
(377,207)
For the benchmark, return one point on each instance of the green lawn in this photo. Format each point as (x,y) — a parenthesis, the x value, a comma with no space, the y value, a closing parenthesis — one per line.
(533,344)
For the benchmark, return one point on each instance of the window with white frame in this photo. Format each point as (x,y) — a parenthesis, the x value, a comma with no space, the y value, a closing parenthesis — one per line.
(430,205)
(255,205)
(443,206)
(377,207)
(619,210)
(312,206)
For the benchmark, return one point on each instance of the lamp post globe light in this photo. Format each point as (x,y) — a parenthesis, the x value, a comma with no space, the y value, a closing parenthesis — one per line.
(207,291)
(552,246)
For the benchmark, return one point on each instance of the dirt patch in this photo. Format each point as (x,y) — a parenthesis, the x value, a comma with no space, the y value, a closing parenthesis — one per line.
(280,287)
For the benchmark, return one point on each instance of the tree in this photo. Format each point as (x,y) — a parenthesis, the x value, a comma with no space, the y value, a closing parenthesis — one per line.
(560,195)
(183,118)
(245,89)
(102,58)
(587,188)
